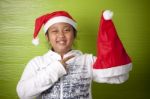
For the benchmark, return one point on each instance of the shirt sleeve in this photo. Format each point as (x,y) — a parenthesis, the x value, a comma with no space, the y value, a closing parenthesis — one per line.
(35,80)
(113,75)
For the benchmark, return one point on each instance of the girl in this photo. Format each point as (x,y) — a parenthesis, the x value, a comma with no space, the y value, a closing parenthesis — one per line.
(64,73)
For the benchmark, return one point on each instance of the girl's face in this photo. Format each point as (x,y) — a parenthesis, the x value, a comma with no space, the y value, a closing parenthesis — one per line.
(61,37)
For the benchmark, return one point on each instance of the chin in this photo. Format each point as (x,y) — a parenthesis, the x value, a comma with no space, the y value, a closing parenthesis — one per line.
(63,50)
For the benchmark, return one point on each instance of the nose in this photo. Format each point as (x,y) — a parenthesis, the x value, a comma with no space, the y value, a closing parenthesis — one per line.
(61,34)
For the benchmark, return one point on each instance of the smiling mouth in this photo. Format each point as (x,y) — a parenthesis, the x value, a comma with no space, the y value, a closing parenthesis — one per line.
(62,42)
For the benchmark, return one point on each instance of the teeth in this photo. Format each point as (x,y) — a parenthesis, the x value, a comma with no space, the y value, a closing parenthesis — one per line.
(61,42)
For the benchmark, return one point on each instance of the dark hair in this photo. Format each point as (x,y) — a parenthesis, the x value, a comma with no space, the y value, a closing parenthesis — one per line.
(75,32)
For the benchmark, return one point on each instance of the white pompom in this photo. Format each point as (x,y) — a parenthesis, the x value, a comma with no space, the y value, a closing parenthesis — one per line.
(35,41)
(107,14)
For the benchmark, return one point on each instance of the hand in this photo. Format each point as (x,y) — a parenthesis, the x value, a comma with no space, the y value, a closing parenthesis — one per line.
(64,60)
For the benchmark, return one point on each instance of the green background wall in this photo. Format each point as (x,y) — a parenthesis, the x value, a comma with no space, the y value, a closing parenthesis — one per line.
(132,21)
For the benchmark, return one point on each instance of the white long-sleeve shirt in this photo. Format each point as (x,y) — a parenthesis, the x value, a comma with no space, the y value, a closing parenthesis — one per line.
(45,77)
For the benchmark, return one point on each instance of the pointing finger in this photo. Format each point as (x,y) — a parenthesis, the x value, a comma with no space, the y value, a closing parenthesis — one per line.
(67,58)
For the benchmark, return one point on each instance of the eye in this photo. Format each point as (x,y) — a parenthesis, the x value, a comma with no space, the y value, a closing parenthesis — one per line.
(54,31)
(67,30)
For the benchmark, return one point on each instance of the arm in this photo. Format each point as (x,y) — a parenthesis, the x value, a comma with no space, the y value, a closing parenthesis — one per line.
(35,80)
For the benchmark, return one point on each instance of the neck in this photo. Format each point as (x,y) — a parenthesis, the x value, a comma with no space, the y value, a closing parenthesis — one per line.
(61,53)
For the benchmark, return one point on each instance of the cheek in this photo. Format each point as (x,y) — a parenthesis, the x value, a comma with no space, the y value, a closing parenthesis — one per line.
(71,38)
(51,38)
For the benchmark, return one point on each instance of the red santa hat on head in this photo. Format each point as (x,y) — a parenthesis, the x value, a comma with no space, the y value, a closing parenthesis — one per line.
(50,19)
(112,59)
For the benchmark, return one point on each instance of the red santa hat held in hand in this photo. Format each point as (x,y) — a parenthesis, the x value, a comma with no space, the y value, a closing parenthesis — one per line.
(112,59)
(50,19)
